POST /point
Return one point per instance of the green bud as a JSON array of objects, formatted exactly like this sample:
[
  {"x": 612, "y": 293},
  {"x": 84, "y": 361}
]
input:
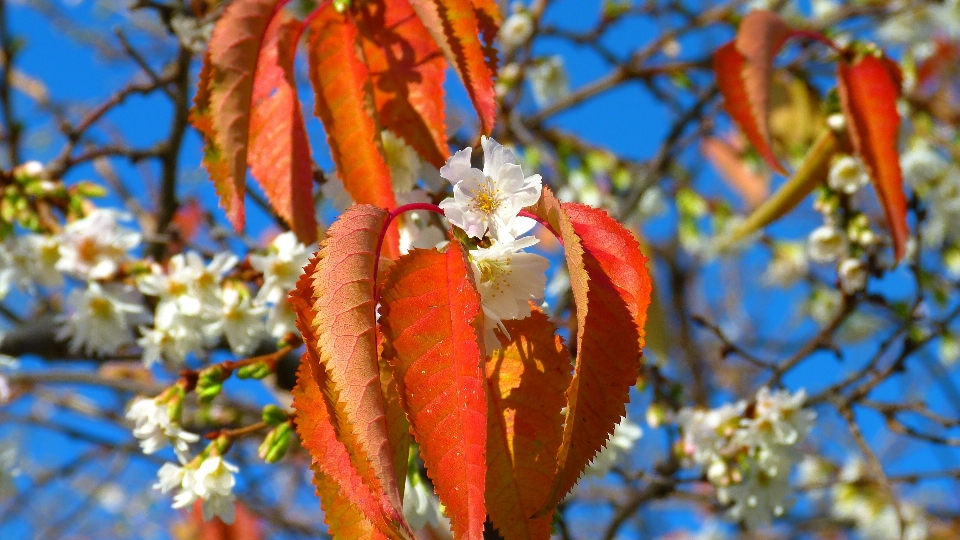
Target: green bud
[
  {"x": 89, "y": 190},
  {"x": 258, "y": 370},
  {"x": 206, "y": 393},
  {"x": 274, "y": 416},
  {"x": 691, "y": 203},
  {"x": 275, "y": 444},
  {"x": 8, "y": 211},
  {"x": 341, "y": 5}
]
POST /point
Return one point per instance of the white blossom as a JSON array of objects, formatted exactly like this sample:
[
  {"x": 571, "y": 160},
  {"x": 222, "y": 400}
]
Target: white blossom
[
  {"x": 240, "y": 322},
  {"x": 549, "y": 81},
  {"x": 922, "y": 166},
  {"x": 101, "y": 318},
  {"x": 847, "y": 175},
  {"x": 853, "y": 275},
  {"x": 756, "y": 498},
  {"x": 155, "y": 429},
  {"x": 334, "y": 191},
  {"x": 624, "y": 436},
  {"x": 402, "y": 160},
  {"x": 281, "y": 319},
  {"x": 748, "y": 452},
  {"x": 421, "y": 507},
  {"x": 213, "y": 482},
  {"x": 29, "y": 260},
  {"x": 826, "y": 244},
  {"x": 281, "y": 266},
  {"x": 170, "y": 476},
  {"x": 788, "y": 265},
  {"x": 95, "y": 246},
  {"x": 507, "y": 280},
  {"x": 415, "y": 227},
  {"x": 516, "y": 30},
  {"x": 490, "y": 199},
  {"x": 172, "y": 341}
]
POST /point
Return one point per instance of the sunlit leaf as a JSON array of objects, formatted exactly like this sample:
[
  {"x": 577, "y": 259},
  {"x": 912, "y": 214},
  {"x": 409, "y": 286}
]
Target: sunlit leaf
[
  {"x": 611, "y": 288},
  {"x": 406, "y": 69},
  {"x": 526, "y": 380},
  {"x": 344, "y": 103},
  {"x": 431, "y": 320},
  {"x": 335, "y": 308},
  {"x": 456, "y": 27}
]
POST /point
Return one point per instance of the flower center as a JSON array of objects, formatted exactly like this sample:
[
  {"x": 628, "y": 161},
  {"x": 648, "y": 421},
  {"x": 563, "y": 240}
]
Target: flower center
[
  {"x": 495, "y": 273},
  {"x": 487, "y": 200},
  {"x": 101, "y": 308}
]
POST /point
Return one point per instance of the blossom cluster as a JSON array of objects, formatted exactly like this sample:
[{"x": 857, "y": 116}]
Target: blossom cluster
[
  {"x": 748, "y": 450},
  {"x": 486, "y": 204}
]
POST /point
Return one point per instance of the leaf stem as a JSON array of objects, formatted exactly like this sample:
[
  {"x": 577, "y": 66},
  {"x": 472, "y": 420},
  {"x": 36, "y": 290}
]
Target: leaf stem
[
  {"x": 545, "y": 223},
  {"x": 383, "y": 234},
  {"x": 817, "y": 36}
]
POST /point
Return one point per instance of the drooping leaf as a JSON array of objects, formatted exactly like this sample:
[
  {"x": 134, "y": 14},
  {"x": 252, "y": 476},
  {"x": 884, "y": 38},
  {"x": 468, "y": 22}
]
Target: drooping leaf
[
  {"x": 406, "y": 69},
  {"x": 234, "y": 47},
  {"x": 335, "y": 308},
  {"x": 813, "y": 172},
  {"x": 525, "y": 382},
  {"x": 201, "y": 117},
  {"x": 732, "y": 167},
  {"x": 344, "y": 103},
  {"x": 279, "y": 152},
  {"x": 346, "y": 500},
  {"x": 247, "y": 110},
  {"x": 612, "y": 288},
  {"x": 430, "y": 316},
  {"x": 744, "y": 68},
  {"x": 455, "y": 26},
  {"x": 869, "y": 89},
  {"x": 398, "y": 428}
]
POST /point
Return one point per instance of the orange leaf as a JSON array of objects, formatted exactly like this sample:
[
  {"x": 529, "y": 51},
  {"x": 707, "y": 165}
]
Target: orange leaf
[
  {"x": 406, "y": 70},
  {"x": 345, "y": 106},
  {"x": 455, "y": 26},
  {"x": 279, "y": 152},
  {"x": 348, "y": 504},
  {"x": 730, "y": 164},
  {"x": 744, "y": 68},
  {"x": 247, "y": 110},
  {"x": 431, "y": 320},
  {"x": 234, "y": 47},
  {"x": 525, "y": 381},
  {"x": 336, "y": 315},
  {"x": 869, "y": 89},
  {"x": 245, "y": 525},
  {"x": 611, "y": 287},
  {"x": 201, "y": 116}
]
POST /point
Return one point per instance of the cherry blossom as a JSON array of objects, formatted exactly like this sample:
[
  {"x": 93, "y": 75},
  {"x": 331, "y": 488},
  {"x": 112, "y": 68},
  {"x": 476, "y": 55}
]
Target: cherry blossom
[{"x": 490, "y": 199}]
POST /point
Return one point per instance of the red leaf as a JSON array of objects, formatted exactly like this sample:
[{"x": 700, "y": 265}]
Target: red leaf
[
  {"x": 279, "y": 152},
  {"x": 334, "y": 301},
  {"x": 455, "y": 25},
  {"x": 869, "y": 89},
  {"x": 407, "y": 70},
  {"x": 431, "y": 320},
  {"x": 744, "y": 68},
  {"x": 733, "y": 168},
  {"x": 525, "y": 381},
  {"x": 611, "y": 287},
  {"x": 345, "y": 106}
]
